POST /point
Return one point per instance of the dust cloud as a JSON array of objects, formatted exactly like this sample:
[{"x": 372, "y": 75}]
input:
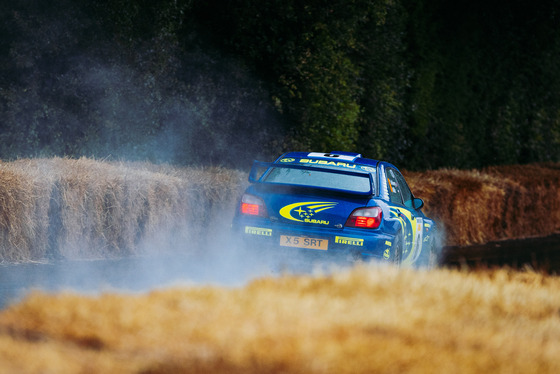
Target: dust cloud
[{"x": 215, "y": 259}]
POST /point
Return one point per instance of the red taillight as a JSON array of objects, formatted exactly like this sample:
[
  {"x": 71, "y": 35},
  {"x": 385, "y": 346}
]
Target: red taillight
[
  {"x": 367, "y": 218},
  {"x": 251, "y": 209},
  {"x": 253, "y": 206}
]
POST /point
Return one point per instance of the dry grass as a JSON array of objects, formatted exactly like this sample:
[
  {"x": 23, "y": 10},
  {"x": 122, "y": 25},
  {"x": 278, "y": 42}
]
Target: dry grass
[
  {"x": 501, "y": 202},
  {"x": 364, "y": 320}
]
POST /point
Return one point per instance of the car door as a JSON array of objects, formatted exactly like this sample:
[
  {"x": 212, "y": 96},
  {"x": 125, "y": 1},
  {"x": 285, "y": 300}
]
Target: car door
[{"x": 403, "y": 207}]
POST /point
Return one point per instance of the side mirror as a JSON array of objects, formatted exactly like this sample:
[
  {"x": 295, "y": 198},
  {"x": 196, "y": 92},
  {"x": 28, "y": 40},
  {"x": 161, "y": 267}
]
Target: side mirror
[{"x": 417, "y": 203}]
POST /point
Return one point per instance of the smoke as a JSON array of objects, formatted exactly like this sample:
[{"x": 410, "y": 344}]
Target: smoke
[
  {"x": 184, "y": 255},
  {"x": 221, "y": 117},
  {"x": 122, "y": 227},
  {"x": 75, "y": 94},
  {"x": 214, "y": 263},
  {"x": 73, "y": 89}
]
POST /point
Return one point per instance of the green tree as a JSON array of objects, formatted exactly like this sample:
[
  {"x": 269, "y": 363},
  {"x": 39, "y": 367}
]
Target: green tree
[
  {"x": 384, "y": 77},
  {"x": 303, "y": 49}
]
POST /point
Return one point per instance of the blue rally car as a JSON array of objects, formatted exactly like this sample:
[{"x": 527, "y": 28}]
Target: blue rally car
[{"x": 337, "y": 204}]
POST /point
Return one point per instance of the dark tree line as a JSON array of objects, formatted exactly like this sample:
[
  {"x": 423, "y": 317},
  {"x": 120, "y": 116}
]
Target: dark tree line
[{"x": 422, "y": 83}]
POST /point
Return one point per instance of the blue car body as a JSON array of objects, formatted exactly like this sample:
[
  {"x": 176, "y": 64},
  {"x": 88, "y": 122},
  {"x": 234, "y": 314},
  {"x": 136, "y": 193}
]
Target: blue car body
[{"x": 334, "y": 204}]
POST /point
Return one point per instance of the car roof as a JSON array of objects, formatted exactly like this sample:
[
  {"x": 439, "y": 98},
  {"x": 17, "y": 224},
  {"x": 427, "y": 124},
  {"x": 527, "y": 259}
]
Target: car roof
[{"x": 335, "y": 158}]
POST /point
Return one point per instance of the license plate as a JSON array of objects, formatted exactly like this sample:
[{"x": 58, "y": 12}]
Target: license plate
[{"x": 303, "y": 242}]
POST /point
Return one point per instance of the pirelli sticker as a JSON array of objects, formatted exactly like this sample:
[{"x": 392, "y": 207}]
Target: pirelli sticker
[
  {"x": 349, "y": 241},
  {"x": 258, "y": 231}
]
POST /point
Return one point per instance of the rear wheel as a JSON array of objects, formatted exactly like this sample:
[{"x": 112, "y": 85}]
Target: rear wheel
[{"x": 397, "y": 249}]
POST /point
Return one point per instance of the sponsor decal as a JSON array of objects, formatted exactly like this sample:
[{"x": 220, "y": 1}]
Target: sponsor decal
[
  {"x": 327, "y": 163},
  {"x": 388, "y": 243},
  {"x": 334, "y": 156},
  {"x": 258, "y": 231},
  {"x": 409, "y": 229},
  {"x": 303, "y": 212},
  {"x": 393, "y": 186},
  {"x": 287, "y": 159},
  {"x": 349, "y": 241},
  {"x": 367, "y": 168},
  {"x": 387, "y": 254}
]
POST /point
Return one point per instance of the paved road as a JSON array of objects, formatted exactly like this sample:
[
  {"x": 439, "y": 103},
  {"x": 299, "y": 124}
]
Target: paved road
[
  {"x": 540, "y": 254},
  {"x": 127, "y": 275},
  {"x": 142, "y": 274}
]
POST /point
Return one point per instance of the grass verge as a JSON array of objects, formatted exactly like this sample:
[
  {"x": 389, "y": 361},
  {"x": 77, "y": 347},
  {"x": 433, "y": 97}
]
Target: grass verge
[{"x": 362, "y": 320}]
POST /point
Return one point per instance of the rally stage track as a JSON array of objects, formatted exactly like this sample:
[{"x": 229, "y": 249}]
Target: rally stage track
[
  {"x": 139, "y": 274},
  {"x": 130, "y": 275},
  {"x": 538, "y": 254}
]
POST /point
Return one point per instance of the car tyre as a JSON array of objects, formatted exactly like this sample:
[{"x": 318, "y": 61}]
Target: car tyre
[{"x": 398, "y": 245}]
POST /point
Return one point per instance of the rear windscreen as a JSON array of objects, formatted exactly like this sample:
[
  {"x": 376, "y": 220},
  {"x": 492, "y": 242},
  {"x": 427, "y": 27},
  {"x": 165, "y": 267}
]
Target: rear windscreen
[{"x": 316, "y": 178}]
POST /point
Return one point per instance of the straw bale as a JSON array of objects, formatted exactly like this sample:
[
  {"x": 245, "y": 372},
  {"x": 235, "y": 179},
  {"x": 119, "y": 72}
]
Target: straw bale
[
  {"x": 502, "y": 202},
  {"x": 85, "y": 208}
]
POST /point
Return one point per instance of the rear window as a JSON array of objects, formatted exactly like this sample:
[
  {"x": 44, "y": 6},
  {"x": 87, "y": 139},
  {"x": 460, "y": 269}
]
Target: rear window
[{"x": 316, "y": 178}]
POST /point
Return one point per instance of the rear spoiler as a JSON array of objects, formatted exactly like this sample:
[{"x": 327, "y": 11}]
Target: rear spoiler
[{"x": 260, "y": 169}]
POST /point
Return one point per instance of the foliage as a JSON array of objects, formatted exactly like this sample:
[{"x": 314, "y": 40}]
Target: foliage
[
  {"x": 105, "y": 79},
  {"x": 421, "y": 83},
  {"x": 483, "y": 84},
  {"x": 304, "y": 51}
]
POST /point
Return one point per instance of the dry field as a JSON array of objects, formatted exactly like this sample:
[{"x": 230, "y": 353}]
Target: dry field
[{"x": 363, "y": 320}]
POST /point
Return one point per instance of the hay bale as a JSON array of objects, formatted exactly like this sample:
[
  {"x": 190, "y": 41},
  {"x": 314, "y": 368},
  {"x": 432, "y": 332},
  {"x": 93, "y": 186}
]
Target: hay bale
[{"x": 496, "y": 203}]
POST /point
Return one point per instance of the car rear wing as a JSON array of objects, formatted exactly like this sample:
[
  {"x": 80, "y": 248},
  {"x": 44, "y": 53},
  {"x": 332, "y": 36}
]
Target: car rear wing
[{"x": 260, "y": 169}]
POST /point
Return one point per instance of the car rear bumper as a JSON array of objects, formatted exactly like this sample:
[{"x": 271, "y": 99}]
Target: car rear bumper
[{"x": 345, "y": 243}]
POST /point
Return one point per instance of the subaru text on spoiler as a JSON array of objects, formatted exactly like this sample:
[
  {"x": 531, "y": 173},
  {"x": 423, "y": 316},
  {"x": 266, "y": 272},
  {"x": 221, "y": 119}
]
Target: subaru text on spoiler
[{"x": 334, "y": 204}]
